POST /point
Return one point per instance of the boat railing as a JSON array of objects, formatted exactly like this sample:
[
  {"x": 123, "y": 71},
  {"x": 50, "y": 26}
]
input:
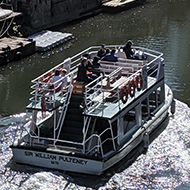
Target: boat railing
[
  {"x": 34, "y": 138},
  {"x": 99, "y": 94},
  {"x": 71, "y": 64},
  {"x": 63, "y": 114},
  {"x": 43, "y": 88},
  {"x": 92, "y": 91},
  {"x": 19, "y": 132},
  {"x": 98, "y": 146}
]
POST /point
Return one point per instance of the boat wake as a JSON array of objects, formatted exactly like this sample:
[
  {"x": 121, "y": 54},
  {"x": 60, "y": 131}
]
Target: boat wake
[
  {"x": 16, "y": 118},
  {"x": 164, "y": 166}
]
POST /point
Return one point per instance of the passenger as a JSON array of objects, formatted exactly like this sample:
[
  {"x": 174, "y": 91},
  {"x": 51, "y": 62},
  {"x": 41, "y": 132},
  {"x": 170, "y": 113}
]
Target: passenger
[
  {"x": 110, "y": 57},
  {"x": 87, "y": 55},
  {"x": 102, "y": 51},
  {"x": 82, "y": 75},
  {"x": 129, "y": 52},
  {"x": 107, "y": 51},
  {"x": 64, "y": 77},
  {"x": 95, "y": 62},
  {"x": 59, "y": 80},
  {"x": 55, "y": 78}
]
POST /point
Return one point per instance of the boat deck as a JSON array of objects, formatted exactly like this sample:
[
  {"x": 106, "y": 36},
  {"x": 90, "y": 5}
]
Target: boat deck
[{"x": 108, "y": 109}]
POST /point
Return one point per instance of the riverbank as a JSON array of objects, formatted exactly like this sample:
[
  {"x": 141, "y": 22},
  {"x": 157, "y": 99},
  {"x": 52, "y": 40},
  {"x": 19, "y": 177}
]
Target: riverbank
[{"x": 40, "y": 15}]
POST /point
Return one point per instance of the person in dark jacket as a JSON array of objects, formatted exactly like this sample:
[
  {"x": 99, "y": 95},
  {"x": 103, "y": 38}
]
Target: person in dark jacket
[
  {"x": 82, "y": 75},
  {"x": 102, "y": 51},
  {"x": 128, "y": 50},
  {"x": 110, "y": 57}
]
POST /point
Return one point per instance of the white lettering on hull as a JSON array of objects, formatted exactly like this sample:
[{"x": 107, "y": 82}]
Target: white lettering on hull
[{"x": 55, "y": 159}]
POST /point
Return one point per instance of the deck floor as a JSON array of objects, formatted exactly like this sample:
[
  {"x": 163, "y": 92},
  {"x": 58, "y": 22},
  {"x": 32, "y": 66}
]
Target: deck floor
[{"x": 109, "y": 109}]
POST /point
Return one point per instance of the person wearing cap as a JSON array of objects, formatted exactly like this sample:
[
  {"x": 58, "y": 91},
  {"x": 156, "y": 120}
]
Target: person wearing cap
[
  {"x": 129, "y": 52},
  {"x": 102, "y": 51}
]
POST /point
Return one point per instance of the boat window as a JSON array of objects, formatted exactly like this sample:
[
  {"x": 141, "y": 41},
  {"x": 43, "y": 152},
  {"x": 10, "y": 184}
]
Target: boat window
[
  {"x": 161, "y": 95},
  {"x": 145, "y": 108},
  {"x": 153, "y": 103},
  {"x": 129, "y": 120}
]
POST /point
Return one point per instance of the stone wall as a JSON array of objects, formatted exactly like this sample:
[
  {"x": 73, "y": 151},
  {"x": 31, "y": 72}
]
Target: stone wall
[{"x": 42, "y": 14}]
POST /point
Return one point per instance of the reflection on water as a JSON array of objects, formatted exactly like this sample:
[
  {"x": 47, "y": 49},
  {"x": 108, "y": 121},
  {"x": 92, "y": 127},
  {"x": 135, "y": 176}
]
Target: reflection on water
[
  {"x": 154, "y": 25},
  {"x": 165, "y": 165}
]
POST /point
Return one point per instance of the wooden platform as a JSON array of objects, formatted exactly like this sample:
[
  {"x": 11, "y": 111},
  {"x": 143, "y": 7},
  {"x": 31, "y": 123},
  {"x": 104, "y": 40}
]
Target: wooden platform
[
  {"x": 114, "y": 6},
  {"x": 15, "y": 48}
]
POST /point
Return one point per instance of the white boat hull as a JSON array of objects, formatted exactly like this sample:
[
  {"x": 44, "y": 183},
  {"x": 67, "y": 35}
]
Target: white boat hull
[
  {"x": 85, "y": 165},
  {"x": 57, "y": 161}
]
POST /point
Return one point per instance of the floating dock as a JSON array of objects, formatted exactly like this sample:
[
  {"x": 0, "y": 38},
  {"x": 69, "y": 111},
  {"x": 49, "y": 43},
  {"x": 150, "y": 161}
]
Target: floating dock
[
  {"x": 115, "y": 6},
  {"x": 15, "y": 48},
  {"x": 46, "y": 39}
]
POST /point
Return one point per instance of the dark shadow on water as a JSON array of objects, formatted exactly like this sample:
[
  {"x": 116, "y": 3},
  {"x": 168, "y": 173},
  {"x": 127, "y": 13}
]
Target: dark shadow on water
[{"x": 91, "y": 180}]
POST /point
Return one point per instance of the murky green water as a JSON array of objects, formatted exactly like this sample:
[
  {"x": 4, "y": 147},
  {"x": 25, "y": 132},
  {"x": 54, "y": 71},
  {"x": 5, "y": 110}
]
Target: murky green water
[{"x": 162, "y": 25}]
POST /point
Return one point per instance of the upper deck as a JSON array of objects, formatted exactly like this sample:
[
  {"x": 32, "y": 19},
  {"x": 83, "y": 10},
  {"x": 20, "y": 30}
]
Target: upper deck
[{"x": 119, "y": 83}]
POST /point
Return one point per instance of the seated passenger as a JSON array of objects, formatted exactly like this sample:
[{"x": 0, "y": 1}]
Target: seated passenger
[
  {"x": 82, "y": 75},
  {"x": 107, "y": 51},
  {"x": 59, "y": 80},
  {"x": 102, "y": 51},
  {"x": 64, "y": 78},
  {"x": 110, "y": 57},
  {"x": 95, "y": 62},
  {"x": 128, "y": 50},
  {"x": 55, "y": 78},
  {"x": 133, "y": 53}
]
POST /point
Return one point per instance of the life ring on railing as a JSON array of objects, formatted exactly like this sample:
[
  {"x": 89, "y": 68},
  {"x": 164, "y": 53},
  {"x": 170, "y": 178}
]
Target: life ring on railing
[
  {"x": 132, "y": 87},
  {"x": 59, "y": 87},
  {"x": 139, "y": 81},
  {"x": 124, "y": 93}
]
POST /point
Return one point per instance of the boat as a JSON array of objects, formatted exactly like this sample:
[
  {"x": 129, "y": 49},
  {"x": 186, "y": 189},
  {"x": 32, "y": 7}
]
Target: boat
[
  {"x": 5, "y": 13},
  {"x": 89, "y": 127}
]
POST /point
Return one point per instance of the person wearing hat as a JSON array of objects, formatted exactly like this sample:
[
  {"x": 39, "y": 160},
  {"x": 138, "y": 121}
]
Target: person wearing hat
[
  {"x": 128, "y": 50},
  {"x": 102, "y": 51}
]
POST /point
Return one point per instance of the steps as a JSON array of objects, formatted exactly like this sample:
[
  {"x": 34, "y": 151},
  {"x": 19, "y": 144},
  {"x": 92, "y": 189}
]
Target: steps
[{"x": 73, "y": 124}]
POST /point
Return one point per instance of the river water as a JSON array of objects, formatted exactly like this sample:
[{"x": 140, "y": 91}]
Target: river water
[{"x": 162, "y": 25}]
